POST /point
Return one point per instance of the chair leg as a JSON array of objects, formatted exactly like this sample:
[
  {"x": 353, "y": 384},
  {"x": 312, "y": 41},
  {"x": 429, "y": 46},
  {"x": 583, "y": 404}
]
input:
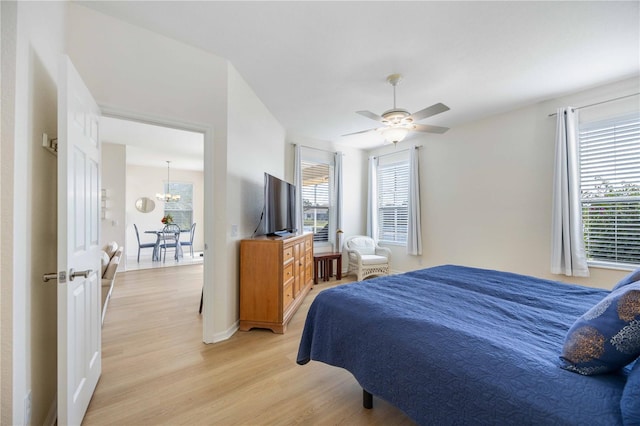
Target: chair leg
[
  {"x": 138, "y": 254},
  {"x": 201, "y": 300}
]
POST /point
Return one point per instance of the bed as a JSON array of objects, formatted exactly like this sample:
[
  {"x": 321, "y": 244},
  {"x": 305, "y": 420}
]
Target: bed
[{"x": 459, "y": 345}]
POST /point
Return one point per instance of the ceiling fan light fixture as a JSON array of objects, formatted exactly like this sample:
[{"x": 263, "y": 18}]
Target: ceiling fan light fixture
[
  {"x": 395, "y": 134},
  {"x": 399, "y": 121}
]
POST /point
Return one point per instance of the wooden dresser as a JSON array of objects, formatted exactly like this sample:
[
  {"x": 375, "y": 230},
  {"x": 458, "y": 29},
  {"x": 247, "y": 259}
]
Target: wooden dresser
[{"x": 276, "y": 273}]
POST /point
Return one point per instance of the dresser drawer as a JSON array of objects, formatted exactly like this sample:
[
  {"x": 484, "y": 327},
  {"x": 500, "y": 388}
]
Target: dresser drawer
[
  {"x": 287, "y": 273},
  {"x": 287, "y": 254},
  {"x": 287, "y": 296}
]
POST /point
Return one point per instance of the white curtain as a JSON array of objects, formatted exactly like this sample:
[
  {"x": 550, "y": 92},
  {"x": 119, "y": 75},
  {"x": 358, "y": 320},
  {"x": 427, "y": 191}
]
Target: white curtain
[
  {"x": 414, "y": 230},
  {"x": 337, "y": 190},
  {"x": 567, "y": 251},
  {"x": 372, "y": 205},
  {"x": 297, "y": 181}
]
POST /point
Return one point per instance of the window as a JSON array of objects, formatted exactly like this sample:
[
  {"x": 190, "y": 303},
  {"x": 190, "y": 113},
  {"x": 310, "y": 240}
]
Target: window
[
  {"x": 610, "y": 190},
  {"x": 393, "y": 200},
  {"x": 181, "y": 210},
  {"x": 316, "y": 199}
]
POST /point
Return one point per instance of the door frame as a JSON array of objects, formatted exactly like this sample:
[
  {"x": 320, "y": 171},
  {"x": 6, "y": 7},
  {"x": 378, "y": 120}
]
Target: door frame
[{"x": 208, "y": 234}]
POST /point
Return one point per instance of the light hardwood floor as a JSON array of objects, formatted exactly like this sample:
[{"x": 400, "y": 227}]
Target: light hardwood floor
[{"x": 156, "y": 370}]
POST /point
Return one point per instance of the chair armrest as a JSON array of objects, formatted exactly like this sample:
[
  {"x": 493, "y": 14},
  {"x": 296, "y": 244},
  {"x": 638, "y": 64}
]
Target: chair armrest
[
  {"x": 383, "y": 251},
  {"x": 355, "y": 254}
]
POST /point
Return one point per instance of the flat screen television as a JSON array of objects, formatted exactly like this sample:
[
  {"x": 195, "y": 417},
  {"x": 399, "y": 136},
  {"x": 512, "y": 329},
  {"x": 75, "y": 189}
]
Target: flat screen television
[{"x": 279, "y": 206}]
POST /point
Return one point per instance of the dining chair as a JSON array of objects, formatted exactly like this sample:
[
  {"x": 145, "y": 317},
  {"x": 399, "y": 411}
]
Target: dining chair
[
  {"x": 142, "y": 245},
  {"x": 190, "y": 242},
  {"x": 170, "y": 239}
]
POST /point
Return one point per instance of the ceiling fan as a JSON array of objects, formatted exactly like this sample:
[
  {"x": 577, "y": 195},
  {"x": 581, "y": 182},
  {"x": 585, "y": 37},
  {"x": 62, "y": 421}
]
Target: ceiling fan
[{"x": 398, "y": 122}]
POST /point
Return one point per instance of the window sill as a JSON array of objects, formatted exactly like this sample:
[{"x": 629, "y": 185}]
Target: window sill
[
  {"x": 392, "y": 243},
  {"x": 610, "y": 265}
]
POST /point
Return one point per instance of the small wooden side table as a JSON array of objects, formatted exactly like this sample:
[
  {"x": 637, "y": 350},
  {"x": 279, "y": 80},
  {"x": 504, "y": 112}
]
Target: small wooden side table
[{"x": 323, "y": 266}]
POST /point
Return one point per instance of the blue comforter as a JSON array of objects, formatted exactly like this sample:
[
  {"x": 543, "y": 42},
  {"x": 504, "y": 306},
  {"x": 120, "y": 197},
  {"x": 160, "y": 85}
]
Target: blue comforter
[{"x": 457, "y": 345}]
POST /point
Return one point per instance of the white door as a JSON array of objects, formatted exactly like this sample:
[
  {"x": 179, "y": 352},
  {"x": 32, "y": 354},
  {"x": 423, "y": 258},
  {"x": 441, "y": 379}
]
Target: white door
[{"x": 79, "y": 296}]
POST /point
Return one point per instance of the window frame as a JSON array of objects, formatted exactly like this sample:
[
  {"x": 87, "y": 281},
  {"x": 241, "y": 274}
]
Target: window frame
[
  {"x": 397, "y": 165},
  {"x": 172, "y": 190},
  {"x": 320, "y": 240},
  {"x": 597, "y": 197}
]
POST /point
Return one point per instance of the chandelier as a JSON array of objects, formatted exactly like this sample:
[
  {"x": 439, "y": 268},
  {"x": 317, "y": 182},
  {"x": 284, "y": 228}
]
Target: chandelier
[{"x": 168, "y": 197}]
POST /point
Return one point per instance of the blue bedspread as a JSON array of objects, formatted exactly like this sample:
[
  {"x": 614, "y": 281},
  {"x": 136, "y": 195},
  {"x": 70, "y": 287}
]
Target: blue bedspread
[{"x": 456, "y": 345}]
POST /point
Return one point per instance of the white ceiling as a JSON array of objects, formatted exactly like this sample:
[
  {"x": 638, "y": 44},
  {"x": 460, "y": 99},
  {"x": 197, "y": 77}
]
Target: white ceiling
[
  {"x": 314, "y": 64},
  {"x": 150, "y": 145}
]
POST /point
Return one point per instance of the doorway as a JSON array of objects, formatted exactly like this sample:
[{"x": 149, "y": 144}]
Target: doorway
[{"x": 142, "y": 163}]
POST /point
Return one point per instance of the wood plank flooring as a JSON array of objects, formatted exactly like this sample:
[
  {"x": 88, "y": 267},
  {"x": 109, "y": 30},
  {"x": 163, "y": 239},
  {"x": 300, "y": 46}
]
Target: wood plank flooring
[{"x": 157, "y": 371}]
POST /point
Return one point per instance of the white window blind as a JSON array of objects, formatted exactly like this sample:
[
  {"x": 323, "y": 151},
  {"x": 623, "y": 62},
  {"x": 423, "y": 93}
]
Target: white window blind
[
  {"x": 610, "y": 190},
  {"x": 393, "y": 199},
  {"x": 316, "y": 199}
]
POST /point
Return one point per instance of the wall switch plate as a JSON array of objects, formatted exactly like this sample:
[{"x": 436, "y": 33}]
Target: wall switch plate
[{"x": 234, "y": 230}]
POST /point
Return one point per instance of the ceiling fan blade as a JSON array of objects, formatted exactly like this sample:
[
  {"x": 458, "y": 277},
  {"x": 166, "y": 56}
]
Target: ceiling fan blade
[
  {"x": 360, "y": 132},
  {"x": 429, "y": 111},
  {"x": 429, "y": 129},
  {"x": 370, "y": 115}
]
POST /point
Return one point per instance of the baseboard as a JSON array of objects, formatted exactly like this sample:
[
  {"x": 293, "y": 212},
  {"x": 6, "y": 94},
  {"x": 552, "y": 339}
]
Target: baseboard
[{"x": 219, "y": 337}]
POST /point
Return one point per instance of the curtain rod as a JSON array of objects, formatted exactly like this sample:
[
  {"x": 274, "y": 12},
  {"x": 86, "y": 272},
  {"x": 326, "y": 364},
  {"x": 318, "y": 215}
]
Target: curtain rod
[
  {"x": 396, "y": 152},
  {"x": 317, "y": 149},
  {"x": 602, "y": 102}
]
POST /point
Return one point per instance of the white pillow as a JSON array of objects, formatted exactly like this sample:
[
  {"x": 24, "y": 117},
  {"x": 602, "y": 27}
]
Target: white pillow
[
  {"x": 104, "y": 260},
  {"x": 111, "y": 248},
  {"x": 363, "y": 245}
]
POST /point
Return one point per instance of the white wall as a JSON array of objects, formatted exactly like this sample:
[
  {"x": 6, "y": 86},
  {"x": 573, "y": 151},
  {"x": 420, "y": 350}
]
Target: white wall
[
  {"x": 143, "y": 181},
  {"x": 114, "y": 178},
  {"x": 138, "y": 74},
  {"x": 486, "y": 189},
  {"x": 32, "y": 43},
  {"x": 134, "y": 72},
  {"x": 255, "y": 145}
]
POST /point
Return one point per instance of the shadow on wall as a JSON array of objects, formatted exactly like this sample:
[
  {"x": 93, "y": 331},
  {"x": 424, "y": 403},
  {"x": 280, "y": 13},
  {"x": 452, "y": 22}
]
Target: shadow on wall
[{"x": 251, "y": 205}]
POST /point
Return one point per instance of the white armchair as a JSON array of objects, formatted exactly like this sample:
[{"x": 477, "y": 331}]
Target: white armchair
[{"x": 366, "y": 257}]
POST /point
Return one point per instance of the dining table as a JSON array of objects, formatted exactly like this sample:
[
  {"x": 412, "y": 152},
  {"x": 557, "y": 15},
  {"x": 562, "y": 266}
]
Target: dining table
[{"x": 159, "y": 238}]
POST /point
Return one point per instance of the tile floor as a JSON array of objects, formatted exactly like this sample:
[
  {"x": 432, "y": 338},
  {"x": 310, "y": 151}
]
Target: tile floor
[{"x": 132, "y": 264}]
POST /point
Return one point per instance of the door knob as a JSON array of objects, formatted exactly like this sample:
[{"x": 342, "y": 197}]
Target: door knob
[
  {"x": 73, "y": 274},
  {"x": 50, "y": 276}
]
